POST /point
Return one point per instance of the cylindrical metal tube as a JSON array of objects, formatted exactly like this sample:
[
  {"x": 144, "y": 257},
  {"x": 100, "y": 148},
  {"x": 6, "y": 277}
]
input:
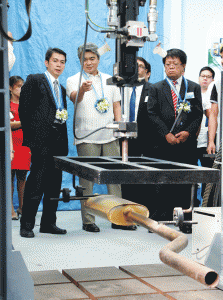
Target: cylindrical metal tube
[
  {"x": 124, "y": 212},
  {"x": 125, "y": 149},
  {"x": 168, "y": 254}
]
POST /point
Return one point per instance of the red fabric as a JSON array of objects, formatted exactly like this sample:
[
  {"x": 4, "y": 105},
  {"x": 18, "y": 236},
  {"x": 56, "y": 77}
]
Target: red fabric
[
  {"x": 174, "y": 96},
  {"x": 22, "y": 155}
]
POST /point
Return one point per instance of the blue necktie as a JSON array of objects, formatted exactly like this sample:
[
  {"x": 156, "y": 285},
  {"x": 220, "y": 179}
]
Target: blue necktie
[{"x": 132, "y": 105}]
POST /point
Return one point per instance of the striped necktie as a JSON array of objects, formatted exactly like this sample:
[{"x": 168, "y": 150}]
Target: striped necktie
[
  {"x": 174, "y": 96},
  {"x": 56, "y": 89}
]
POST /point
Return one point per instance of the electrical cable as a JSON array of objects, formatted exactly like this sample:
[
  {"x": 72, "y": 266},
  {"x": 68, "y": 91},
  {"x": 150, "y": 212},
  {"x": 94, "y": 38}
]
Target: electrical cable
[
  {"x": 108, "y": 29},
  {"x": 28, "y": 33},
  {"x": 199, "y": 251}
]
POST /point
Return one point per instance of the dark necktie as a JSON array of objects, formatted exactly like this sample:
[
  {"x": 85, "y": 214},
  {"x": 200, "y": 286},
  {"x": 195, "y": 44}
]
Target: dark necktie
[
  {"x": 174, "y": 96},
  {"x": 132, "y": 105}
]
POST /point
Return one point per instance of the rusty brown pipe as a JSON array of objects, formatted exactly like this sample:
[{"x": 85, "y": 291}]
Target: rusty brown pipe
[
  {"x": 168, "y": 254},
  {"x": 124, "y": 212}
]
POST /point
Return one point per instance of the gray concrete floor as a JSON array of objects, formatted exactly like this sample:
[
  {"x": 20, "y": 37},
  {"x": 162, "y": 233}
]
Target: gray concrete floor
[{"x": 81, "y": 249}]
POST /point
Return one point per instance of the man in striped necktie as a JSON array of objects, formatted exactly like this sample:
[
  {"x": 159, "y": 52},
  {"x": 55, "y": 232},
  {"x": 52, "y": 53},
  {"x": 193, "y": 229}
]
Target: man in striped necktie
[{"x": 178, "y": 145}]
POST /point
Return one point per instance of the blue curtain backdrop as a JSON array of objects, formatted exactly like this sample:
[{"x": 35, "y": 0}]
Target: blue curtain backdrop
[{"x": 62, "y": 24}]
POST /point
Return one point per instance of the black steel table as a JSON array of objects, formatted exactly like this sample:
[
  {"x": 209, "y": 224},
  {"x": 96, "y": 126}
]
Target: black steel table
[{"x": 138, "y": 170}]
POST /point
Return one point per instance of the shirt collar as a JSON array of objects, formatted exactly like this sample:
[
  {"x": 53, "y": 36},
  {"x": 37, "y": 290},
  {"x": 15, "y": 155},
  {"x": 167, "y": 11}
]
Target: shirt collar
[
  {"x": 91, "y": 75},
  {"x": 51, "y": 77},
  {"x": 179, "y": 80}
]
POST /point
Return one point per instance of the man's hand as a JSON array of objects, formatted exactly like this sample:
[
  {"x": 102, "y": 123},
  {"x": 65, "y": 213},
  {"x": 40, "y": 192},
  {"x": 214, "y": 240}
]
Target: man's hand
[
  {"x": 182, "y": 136},
  {"x": 171, "y": 139},
  {"x": 86, "y": 86},
  {"x": 211, "y": 148}
]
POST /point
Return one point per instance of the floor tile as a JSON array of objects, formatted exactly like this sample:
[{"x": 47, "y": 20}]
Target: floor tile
[
  {"x": 175, "y": 283},
  {"x": 48, "y": 277},
  {"x": 92, "y": 274},
  {"x": 151, "y": 270},
  {"x": 116, "y": 288},
  {"x": 199, "y": 295},
  {"x": 58, "y": 292}
]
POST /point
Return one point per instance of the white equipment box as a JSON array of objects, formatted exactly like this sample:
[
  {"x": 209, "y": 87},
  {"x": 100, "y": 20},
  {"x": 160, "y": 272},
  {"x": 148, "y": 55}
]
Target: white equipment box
[{"x": 205, "y": 232}]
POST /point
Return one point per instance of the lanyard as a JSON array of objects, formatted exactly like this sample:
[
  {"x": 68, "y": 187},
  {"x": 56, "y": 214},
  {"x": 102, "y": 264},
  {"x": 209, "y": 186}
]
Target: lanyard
[
  {"x": 58, "y": 102},
  {"x": 175, "y": 90},
  {"x": 86, "y": 77}
]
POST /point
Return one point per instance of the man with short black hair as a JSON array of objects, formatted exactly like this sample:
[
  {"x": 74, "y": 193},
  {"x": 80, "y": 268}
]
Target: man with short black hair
[
  {"x": 207, "y": 133},
  {"x": 206, "y": 138},
  {"x": 43, "y": 115},
  {"x": 176, "y": 144}
]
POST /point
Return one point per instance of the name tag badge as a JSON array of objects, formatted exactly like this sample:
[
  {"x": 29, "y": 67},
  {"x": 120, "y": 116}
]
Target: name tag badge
[
  {"x": 190, "y": 95},
  {"x": 146, "y": 99}
]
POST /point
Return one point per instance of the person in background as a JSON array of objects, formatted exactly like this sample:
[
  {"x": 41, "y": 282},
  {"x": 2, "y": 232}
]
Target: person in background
[
  {"x": 138, "y": 146},
  {"x": 138, "y": 107},
  {"x": 22, "y": 155},
  {"x": 206, "y": 137},
  {"x": 43, "y": 115}
]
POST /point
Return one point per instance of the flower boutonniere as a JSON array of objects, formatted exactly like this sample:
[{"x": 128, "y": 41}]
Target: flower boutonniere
[
  {"x": 102, "y": 105},
  {"x": 184, "y": 106},
  {"x": 62, "y": 115}
]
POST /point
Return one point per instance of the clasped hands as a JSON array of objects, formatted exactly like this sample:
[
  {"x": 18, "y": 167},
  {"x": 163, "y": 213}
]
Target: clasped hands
[{"x": 178, "y": 138}]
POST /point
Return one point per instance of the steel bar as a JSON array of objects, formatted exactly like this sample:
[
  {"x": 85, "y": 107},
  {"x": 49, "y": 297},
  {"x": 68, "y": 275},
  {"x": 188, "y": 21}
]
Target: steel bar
[
  {"x": 189, "y": 210},
  {"x": 124, "y": 212}
]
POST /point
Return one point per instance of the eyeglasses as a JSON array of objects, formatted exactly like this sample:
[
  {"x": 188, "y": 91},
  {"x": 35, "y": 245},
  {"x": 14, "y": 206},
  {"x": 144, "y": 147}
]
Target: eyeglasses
[
  {"x": 206, "y": 76},
  {"x": 142, "y": 67},
  {"x": 174, "y": 65}
]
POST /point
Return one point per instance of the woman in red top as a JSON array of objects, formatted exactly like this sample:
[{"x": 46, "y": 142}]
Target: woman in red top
[{"x": 22, "y": 155}]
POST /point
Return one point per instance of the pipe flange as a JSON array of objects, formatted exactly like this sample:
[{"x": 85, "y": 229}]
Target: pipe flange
[{"x": 178, "y": 216}]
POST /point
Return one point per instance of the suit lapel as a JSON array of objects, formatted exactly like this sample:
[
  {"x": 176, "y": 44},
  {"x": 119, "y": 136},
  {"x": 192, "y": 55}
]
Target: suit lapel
[
  {"x": 144, "y": 92},
  {"x": 48, "y": 88},
  {"x": 167, "y": 93},
  {"x": 64, "y": 96},
  {"x": 182, "y": 90}
]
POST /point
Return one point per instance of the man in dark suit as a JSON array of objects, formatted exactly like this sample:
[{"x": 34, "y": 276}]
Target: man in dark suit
[
  {"x": 137, "y": 146},
  {"x": 43, "y": 114},
  {"x": 176, "y": 144}
]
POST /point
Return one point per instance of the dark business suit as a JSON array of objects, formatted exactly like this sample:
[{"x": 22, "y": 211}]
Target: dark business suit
[
  {"x": 138, "y": 147},
  {"x": 161, "y": 118},
  {"x": 37, "y": 110}
]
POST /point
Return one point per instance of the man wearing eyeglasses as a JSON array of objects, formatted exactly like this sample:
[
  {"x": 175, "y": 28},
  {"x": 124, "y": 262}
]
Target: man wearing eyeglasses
[
  {"x": 139, "y": 114},
  {"x": 176, "y": 143},
  {"x": 206, "y": 137}
]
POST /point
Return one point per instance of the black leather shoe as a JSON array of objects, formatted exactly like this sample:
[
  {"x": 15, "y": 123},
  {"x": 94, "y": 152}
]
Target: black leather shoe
[
  {"x": 53, "y": 229},
  {"x": 27, "y": 233},
  {"x": 91, "y": 227},
  {"x": 131, "y": 227}
]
